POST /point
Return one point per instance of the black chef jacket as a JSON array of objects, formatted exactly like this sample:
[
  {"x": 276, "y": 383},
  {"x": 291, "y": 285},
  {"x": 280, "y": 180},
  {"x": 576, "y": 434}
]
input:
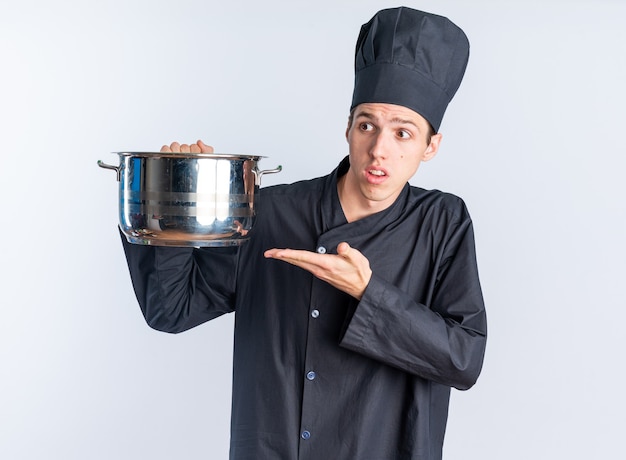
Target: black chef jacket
[{"x": 319, "y": 375}]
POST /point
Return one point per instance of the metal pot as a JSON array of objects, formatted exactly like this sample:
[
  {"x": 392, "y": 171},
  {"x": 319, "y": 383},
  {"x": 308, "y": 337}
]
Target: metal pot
[{"x": 187, "y": 199}]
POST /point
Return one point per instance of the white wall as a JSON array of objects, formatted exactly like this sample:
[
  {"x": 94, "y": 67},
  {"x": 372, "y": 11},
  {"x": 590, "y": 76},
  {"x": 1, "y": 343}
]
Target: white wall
[{"x": 534, "y": 142}]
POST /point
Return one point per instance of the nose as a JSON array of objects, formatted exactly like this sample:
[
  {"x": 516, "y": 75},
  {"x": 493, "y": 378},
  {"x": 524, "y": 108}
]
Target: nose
[{"x": 380, "y": 145}]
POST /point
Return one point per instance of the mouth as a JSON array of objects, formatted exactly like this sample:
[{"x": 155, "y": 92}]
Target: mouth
[{"x": 376, "y": 175}]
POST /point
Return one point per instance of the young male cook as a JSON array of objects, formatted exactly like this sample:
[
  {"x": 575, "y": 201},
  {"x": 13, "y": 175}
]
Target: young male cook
[{"x": 357, "y": 299}]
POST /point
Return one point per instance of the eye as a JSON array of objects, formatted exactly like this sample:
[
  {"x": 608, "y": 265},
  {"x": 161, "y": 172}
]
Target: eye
[
  {"x": 365, "y": 126},
  {"x": 404, "y": 134}
]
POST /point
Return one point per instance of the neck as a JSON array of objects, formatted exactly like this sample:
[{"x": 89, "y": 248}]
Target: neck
[{"x": 353, "y": 208}]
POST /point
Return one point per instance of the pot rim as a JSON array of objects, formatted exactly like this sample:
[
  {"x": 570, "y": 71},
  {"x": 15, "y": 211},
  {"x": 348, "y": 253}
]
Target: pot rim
[{"x": 190, "y": 156}]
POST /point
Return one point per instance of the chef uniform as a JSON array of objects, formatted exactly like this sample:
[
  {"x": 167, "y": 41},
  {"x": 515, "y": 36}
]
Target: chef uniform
[{"x": 318, "y": 374}]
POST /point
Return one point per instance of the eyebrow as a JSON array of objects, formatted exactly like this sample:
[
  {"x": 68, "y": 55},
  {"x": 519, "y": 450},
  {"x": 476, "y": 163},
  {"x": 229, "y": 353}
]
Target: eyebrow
[{"x": 397, "y": 120}]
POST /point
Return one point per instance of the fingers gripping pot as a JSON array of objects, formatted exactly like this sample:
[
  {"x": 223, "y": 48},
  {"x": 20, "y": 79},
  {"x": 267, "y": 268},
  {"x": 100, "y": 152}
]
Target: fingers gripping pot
[{"x": 187, "y": 199}]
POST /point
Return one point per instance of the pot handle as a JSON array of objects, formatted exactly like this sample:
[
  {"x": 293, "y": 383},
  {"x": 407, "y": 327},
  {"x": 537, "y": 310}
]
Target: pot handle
[
  {"x": 259, "y": 174},
  {"x": 117, "y": 169}
]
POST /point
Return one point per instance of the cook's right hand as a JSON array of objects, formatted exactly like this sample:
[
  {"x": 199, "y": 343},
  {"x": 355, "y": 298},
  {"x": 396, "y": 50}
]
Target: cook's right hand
[{"x": 198, "y": 147}]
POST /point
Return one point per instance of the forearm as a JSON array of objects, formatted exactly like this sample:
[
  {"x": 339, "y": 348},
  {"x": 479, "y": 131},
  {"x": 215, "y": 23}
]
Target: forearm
[
  {"x": 177, "y": 292},
  {"x": 392, "y": 328}
]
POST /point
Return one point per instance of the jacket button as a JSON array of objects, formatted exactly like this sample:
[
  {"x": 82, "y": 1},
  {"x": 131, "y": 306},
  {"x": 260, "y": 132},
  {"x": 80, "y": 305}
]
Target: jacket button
[
  {"x": 305, "y": 434},
  {"x": 315, "y": 313},
  {"x": 321, "y": 250},
  {"x": 310, "y": 375}
]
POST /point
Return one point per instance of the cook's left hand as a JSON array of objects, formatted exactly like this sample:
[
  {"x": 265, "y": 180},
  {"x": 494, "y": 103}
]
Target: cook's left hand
[{"x": 348, "y": 270}]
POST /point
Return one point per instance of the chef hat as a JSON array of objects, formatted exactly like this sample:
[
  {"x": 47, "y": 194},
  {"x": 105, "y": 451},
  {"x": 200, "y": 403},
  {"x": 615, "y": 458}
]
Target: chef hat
[{"x": 410, "y": 58}]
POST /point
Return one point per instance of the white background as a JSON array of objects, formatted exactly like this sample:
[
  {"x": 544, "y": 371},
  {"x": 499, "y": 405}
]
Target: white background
[{"x": 534, "y": 142}]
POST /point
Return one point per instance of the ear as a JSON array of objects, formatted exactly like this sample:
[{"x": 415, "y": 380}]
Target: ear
[
  {"x": 433, "y": 147},
  {"x": 348, "y": 130}
]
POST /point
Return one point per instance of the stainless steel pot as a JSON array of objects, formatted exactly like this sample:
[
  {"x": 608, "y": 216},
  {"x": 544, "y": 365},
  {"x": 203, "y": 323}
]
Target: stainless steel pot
[{"x": 187, "y": 199}]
